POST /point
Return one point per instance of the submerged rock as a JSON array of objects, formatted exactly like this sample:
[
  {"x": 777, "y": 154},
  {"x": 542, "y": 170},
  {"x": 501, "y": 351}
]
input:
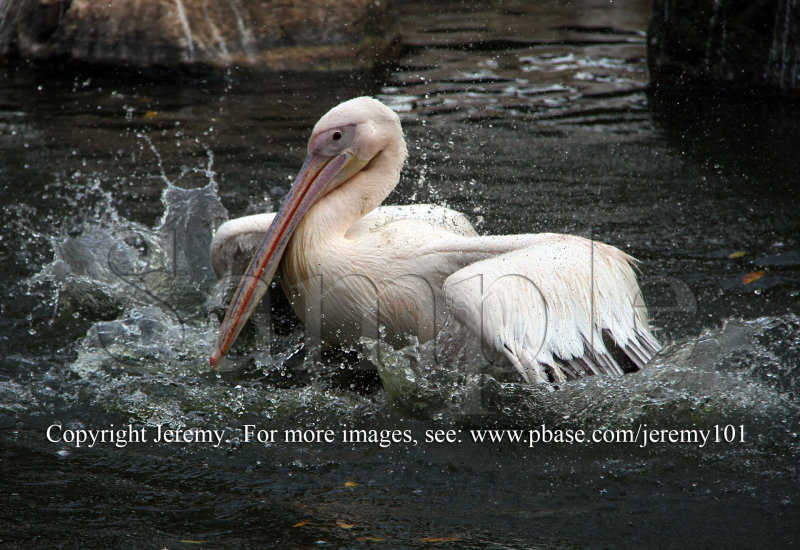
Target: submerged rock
[
  {"x": 272, "y": 34},
  {"x": 746, "y": 44}
]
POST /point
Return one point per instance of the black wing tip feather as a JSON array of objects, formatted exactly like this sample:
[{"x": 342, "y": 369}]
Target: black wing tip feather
[{"x": 617, "y": 360}]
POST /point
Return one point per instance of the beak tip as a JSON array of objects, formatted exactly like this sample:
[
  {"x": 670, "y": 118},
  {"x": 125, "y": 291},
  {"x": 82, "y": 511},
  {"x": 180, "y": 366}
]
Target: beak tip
[{"x": 214, "y": 359}]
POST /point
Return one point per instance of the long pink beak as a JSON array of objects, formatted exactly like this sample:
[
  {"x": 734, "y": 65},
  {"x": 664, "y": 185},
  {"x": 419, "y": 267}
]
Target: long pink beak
[{"x": 312, "y": 181}]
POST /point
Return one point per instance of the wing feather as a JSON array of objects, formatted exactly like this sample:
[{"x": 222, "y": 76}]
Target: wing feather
[
  {"x": 235, "y": 242},
  {"x": 559, "y": 307}
]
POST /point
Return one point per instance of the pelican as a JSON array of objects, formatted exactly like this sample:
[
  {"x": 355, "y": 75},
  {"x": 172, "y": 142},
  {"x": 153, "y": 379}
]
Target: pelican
[{"x": 558, "y": 307}]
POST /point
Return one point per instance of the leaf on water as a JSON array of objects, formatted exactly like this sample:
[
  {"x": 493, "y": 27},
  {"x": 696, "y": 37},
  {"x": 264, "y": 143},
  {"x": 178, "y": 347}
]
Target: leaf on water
[
  {"x": 344, "y": 525},
  {"x": 369, "y": 539},
  {"x": 300, "y": 524},
  {"x": 150, "y": 114},
  {"x": 187, "y": 541},
  {"x": 440, "y": 539},
  {"x": 350, "y": 484},
  {"x": 748, "y": 278},
  {"x": 737, "y": 254}
]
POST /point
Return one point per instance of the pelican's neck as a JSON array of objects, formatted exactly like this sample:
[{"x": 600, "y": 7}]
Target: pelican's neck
[{"x": 334, "y": 213}]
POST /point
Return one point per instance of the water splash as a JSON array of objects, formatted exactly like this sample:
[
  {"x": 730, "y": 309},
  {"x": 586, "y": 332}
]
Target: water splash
[
  {"x": 718, "y": 18},
  {"x": 7, "y": 22},
  {"x": 747, "y": 371},
  {"x": 779, "y": 63},
  {"x": 114, "y": 265},
  {"x": 216, "y": 34},
  {"x": 148, "y": 295},
  {"x": 187, "y": 31},
  {"x": 149, "y": 301},
  {"x": 245, "y": 32}
]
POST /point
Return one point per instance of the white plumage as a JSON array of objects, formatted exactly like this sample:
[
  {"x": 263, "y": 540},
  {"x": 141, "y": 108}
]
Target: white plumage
[{"x": 557, "y": 306}]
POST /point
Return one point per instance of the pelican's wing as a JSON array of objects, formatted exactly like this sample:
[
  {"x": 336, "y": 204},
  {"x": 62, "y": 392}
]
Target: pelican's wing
[
  {"x": 437, "y": 217},
  {"x": 557, "y": 306},
  {"x": 235, "y": 242}
]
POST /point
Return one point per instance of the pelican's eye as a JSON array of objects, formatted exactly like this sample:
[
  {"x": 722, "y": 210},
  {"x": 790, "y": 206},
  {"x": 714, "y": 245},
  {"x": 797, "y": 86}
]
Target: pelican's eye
[{"x": 333, "y": 141}]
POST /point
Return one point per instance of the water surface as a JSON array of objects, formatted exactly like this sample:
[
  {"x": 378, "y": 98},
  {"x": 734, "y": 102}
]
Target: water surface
[{"x": 527, "y": 118}]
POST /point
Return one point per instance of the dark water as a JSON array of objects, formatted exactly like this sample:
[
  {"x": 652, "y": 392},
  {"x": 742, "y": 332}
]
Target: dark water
[{"x": 527, "y": 118}]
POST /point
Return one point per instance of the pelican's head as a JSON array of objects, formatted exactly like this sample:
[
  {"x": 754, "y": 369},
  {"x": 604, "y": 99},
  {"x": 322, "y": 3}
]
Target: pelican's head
[
  {"x": 363, "y": 126},
  {"x": 348, "y": 137},
  {"x": 343, "y": 142}
]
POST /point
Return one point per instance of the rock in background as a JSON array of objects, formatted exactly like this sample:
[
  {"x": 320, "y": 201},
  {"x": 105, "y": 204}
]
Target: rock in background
[
  {"x": 272, "y": 34},
  {"x": 751, "y": 45}
]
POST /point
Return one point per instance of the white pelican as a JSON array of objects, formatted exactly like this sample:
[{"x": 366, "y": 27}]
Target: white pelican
[{"x": 557, "y": 306}]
